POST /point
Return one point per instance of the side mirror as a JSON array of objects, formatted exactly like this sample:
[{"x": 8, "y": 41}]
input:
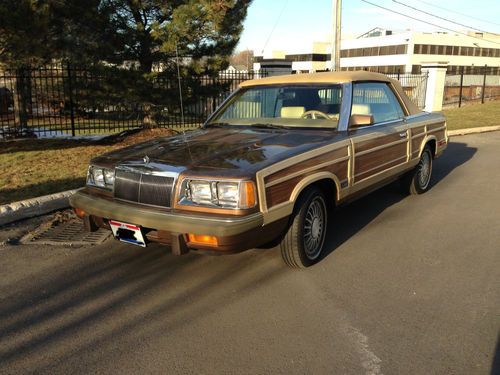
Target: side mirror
[{"x": 360, "y": 120}]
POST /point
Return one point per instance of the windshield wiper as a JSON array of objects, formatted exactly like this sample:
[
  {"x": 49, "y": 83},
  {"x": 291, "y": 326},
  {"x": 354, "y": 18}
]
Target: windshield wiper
[{"x": 216, "y": 124}]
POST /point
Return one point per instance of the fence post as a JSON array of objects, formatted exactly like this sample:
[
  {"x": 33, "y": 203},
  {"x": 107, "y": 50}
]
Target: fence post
[
  {"x": 484, "y": 84},
  {"x": 71, "y": 110},
  {"x": 21, "y": 97},
  {"x": 435, "y": 85},
  {"x": 214, "y": 96},
  {"x": 461, "y": 87},
  {"x": 399, "y": 73}
]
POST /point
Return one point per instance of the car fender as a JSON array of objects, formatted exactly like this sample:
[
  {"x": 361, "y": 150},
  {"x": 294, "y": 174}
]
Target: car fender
[
  {"x": 425, "y": 141},
  {"x": 308, "y": 180}
]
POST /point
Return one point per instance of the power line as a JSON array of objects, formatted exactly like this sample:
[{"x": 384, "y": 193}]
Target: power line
[
  {"x": 275, "y": 24},
  {"x": 429, "y": 23},
  {"x": 441, "y": 18},
  {"x": 454, "y": 11}
]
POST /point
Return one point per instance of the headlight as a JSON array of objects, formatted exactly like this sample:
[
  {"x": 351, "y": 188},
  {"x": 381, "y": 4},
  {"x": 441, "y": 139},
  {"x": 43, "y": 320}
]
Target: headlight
[
  {"x": 101, "y": 177},
  {"x": 222, "y": 194}
]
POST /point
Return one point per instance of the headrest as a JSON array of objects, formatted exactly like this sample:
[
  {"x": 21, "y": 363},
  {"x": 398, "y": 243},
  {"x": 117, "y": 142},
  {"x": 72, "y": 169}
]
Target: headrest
[
  {"x": 292, "y": 112},
  {"x": 360, "y": 109}
]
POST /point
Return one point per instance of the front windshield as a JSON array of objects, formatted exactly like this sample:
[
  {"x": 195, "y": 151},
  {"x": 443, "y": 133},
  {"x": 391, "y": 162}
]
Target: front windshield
[{"x": 311, "y": 105}]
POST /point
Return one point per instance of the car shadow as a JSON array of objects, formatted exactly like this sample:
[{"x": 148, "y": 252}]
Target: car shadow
[
  {"x": 130, "y": 293},
  {"x": 495, "y": 365},
  {"x": 350, "y": 219}
]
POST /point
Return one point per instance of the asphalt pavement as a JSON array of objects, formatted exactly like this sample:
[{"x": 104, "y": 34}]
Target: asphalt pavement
[{"x": 410, "y": 285}]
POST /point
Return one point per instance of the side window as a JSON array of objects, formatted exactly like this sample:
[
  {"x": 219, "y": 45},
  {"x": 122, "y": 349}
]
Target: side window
[{"x": 376, "y": 99}]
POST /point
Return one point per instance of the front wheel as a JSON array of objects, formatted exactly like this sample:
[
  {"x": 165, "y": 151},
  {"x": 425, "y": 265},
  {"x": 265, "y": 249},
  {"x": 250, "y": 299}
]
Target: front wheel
[
  {"x": 303, "y": 243},
  {"x": 418, "y": 180}
]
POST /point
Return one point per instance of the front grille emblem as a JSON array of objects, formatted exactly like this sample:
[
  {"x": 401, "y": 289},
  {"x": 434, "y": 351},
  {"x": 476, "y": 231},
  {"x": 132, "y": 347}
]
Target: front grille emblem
[{"x": 145, "y": 159}]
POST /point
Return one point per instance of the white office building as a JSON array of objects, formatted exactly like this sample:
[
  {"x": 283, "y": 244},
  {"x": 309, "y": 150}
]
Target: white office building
[{"x": 392, "y": 52}]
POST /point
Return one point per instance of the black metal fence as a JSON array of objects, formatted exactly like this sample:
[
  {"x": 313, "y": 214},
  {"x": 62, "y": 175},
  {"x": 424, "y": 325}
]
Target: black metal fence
[
  {"x": 480, "y": 86},
  {"x": 69, "y": 100},
  {"x": 66, "y": 100}
]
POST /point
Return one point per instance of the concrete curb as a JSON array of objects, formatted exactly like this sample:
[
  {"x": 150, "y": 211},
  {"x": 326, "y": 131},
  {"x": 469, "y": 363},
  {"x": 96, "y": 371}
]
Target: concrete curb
[
  {"x": 34, "y": 207},
  {"x": 473, "y": 130}
]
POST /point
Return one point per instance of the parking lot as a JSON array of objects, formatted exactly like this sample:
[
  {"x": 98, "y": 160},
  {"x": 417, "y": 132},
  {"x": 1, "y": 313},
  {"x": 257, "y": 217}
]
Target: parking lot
[{"x": 411, "y": 285}]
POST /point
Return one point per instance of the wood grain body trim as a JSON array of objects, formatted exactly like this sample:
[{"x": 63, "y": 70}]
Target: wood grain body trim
[
  {"x": 381, "y": 167},
  {"x": 282, "y": 191},
  {"x": 381, "y": 147},
  {"x": 372, "y": 143},
  {"x": 436, "y": 129},
  {"x": 305, "y": 171}
]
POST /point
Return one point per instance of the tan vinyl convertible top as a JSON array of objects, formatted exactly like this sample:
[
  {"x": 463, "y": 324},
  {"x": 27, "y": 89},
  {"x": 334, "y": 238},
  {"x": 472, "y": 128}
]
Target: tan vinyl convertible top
[
  {"x": 334, "y": 77},
  {"x": 324, "y": 77}
]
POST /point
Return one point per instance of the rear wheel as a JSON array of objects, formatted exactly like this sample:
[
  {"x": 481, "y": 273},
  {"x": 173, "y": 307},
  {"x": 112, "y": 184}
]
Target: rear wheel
[
  {"x": 303, "y": 243},
  {"x": 418, "y": 180}
]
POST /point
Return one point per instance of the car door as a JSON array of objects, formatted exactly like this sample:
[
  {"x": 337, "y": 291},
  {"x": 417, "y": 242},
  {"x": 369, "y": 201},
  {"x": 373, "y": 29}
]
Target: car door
[{"x": 378, "y": 149}]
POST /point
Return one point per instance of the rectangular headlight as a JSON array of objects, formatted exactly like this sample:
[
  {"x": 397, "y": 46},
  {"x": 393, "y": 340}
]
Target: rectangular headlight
[
  {"x": 100, "y": 177},
  {"x": 228, "y": 194},
  {"x": 221, "y": 194},
  {"x": 200, "y": 192}
]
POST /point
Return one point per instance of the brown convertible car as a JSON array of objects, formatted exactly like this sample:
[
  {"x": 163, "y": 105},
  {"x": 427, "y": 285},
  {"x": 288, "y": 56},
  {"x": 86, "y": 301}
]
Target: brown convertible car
[{"x": 267, "y": 167}]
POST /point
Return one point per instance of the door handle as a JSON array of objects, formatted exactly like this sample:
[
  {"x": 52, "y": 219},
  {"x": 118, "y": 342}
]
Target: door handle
[{"x": 402, "y": 135}]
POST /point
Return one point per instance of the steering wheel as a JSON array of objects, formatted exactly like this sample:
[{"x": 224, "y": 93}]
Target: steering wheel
[{"x": 313, "y": 113}]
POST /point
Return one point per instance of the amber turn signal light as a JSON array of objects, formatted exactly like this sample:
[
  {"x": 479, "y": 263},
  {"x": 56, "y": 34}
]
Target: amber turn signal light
[
  {"x": 202, "y": 239},
  {"x": 79, "y": 212},
  {"x": 247, "y": 195}
]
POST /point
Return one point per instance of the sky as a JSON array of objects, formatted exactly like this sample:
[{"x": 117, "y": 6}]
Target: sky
[{"x": 292, "y": 25}]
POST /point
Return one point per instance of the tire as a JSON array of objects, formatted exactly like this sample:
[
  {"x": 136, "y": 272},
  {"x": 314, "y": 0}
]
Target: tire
[
  {"x": 418, "y": 180},
  {"x": 304, "y": 240}
]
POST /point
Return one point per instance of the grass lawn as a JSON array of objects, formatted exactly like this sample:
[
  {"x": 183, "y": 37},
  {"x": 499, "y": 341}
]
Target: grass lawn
[
  {"x": 473, "y": 116},
  {"x": 31, "y": 168}
]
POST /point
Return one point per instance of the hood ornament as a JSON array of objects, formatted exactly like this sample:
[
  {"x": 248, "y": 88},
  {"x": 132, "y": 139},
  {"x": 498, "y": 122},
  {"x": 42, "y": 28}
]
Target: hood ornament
[{"x": 145, "y": 159}]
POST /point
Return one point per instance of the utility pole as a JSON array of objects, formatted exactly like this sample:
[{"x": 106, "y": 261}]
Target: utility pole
[{"x": 336, "y": 15}]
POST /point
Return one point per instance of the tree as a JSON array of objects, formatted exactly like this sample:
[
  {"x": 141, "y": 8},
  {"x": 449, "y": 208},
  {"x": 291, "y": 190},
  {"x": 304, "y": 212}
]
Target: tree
[
  {"x": 117, "y": 31},
  {"x": 135, "y": 35},
  {"x": 244, "y": 58}
]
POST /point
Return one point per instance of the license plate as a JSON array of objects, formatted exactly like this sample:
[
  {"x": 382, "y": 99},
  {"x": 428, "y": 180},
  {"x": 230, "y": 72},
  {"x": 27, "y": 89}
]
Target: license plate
[{"x": 128, "y": 233}]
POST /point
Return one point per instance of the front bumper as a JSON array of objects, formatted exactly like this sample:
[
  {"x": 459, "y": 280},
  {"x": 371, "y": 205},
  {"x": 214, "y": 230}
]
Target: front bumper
[{"x": 165, "y": 221}]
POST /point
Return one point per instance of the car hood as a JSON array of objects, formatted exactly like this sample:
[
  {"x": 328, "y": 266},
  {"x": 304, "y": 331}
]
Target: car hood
[{"x": 229, "y": 151}]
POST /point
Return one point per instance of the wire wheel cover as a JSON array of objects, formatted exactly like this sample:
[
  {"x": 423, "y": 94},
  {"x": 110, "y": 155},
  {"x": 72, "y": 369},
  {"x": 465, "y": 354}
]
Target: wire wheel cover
[
  {"x": 424, "y": 170},
  {"x": 314, "y": 228}
]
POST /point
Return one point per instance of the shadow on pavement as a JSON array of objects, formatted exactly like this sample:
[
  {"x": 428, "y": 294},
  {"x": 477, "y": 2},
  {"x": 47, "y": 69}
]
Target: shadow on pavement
[
  {"x": 454, "y": 156},
  {"x": 495, "y": 366},
  {"x": 81, "y": 305},
  {"x": 350, "y": 219}
]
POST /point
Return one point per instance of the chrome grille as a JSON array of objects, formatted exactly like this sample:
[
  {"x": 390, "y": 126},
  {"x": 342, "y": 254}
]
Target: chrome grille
[{"x": 143, "y": 188}]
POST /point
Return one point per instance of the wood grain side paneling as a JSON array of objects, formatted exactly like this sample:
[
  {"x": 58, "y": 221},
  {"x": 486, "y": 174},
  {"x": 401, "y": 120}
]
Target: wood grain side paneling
[
  {"x": 434, "y": 126},
  {"x": 416, "y": 142},
  {"x": 368, "y": 164},
  {"x": 372, "y": 143},
  {"x": 418, "y": 131},
  {"x": 440, "y": 135},
  {"x": 282, "y": 192},
  {"x": 317, "y": 160}
]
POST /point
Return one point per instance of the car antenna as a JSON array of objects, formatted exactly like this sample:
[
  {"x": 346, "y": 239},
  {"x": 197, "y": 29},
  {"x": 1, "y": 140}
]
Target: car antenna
[{"x": 180, "y": 98}]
